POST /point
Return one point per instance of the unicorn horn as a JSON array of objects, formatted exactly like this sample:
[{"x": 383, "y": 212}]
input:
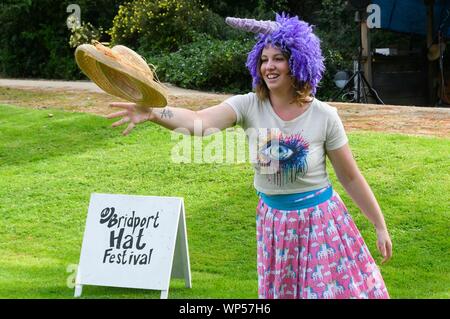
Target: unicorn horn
[{"x": 253, "y": 25}]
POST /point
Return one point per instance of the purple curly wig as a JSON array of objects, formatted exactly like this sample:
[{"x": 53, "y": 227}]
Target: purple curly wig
[{"x": 295, "y": 37}]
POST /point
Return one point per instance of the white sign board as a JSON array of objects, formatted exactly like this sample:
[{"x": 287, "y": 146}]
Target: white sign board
[{"x": 134, "y": 242}]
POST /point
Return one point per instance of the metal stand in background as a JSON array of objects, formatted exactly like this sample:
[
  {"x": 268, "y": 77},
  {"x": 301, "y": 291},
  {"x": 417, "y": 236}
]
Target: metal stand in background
[
  {"x": 362, "y": 85},
  {"x": 443, "y": 99}
]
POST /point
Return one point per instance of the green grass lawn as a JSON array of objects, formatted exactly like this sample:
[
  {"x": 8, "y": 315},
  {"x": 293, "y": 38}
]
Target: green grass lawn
[{"x": 50, "y": 165}]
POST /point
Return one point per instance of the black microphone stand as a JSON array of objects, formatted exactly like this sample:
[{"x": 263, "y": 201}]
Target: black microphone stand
[{"x": 361, "y": 81}]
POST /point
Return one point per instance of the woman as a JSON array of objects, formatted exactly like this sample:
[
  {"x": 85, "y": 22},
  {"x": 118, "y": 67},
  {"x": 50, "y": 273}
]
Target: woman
[{"x": 308, "y": 245}]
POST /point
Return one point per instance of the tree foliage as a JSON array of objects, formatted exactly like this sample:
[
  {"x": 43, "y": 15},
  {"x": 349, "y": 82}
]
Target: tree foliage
[
  {"x": 163, "y": 25},
  {"x": 34, "y": 37},
  {"x": 208, "y": 64}
]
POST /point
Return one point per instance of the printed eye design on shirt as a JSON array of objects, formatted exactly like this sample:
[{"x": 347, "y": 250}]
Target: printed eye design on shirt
[
  {"x": 278, "y": 153},
  {"x": 283, "y": 158}
]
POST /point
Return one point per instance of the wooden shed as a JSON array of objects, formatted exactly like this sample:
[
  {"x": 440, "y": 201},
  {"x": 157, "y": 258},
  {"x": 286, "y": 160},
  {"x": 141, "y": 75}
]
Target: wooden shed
[{"x": 409, "y": 76}]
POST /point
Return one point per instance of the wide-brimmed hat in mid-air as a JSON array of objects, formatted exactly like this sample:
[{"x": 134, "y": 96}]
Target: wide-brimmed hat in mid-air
[{"x": 121, "y": 72}]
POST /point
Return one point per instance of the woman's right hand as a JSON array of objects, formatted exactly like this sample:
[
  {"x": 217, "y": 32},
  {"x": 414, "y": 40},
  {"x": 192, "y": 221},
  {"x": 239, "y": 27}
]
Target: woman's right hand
[{"x": 131, "y": 113}]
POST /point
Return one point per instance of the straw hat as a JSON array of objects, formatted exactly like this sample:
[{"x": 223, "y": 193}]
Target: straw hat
[
  {"x": 121, "y": 72},
  {"x": 435, "y": 51}
]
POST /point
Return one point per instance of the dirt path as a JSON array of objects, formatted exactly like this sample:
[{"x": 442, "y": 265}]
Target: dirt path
[{"x": 83, "y": 96}]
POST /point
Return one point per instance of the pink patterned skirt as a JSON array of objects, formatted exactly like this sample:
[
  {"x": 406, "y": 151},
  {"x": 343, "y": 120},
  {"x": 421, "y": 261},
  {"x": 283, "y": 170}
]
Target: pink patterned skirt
[{"x": 314, "y": 253}]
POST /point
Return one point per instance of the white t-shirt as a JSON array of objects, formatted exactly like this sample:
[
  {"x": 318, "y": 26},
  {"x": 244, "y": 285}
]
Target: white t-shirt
[{"x": 289, "y": 156}]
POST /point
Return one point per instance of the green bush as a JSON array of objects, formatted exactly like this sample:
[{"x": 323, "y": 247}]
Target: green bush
[
  {"x": 84, "y": 33},
  {"x": 207, "y": 64},
  {"x": 159, "y": 25}
]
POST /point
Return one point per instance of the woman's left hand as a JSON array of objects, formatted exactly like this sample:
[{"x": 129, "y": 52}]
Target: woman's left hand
[{"x": 384, "y": 244}]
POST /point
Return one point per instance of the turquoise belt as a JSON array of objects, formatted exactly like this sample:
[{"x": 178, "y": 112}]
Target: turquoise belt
[{"x": 298, "y": 200}]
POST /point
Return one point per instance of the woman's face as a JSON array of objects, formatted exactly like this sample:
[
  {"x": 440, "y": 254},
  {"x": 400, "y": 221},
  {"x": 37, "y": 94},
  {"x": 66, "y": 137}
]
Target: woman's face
[{"x": 275, "y": 69}]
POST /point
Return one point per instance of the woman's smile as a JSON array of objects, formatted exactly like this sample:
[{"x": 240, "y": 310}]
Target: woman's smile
[{"x": 272, "y": 76}]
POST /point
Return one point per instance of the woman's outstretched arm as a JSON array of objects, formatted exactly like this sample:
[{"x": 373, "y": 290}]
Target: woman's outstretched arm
[{"x": 198, "y": 123}]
